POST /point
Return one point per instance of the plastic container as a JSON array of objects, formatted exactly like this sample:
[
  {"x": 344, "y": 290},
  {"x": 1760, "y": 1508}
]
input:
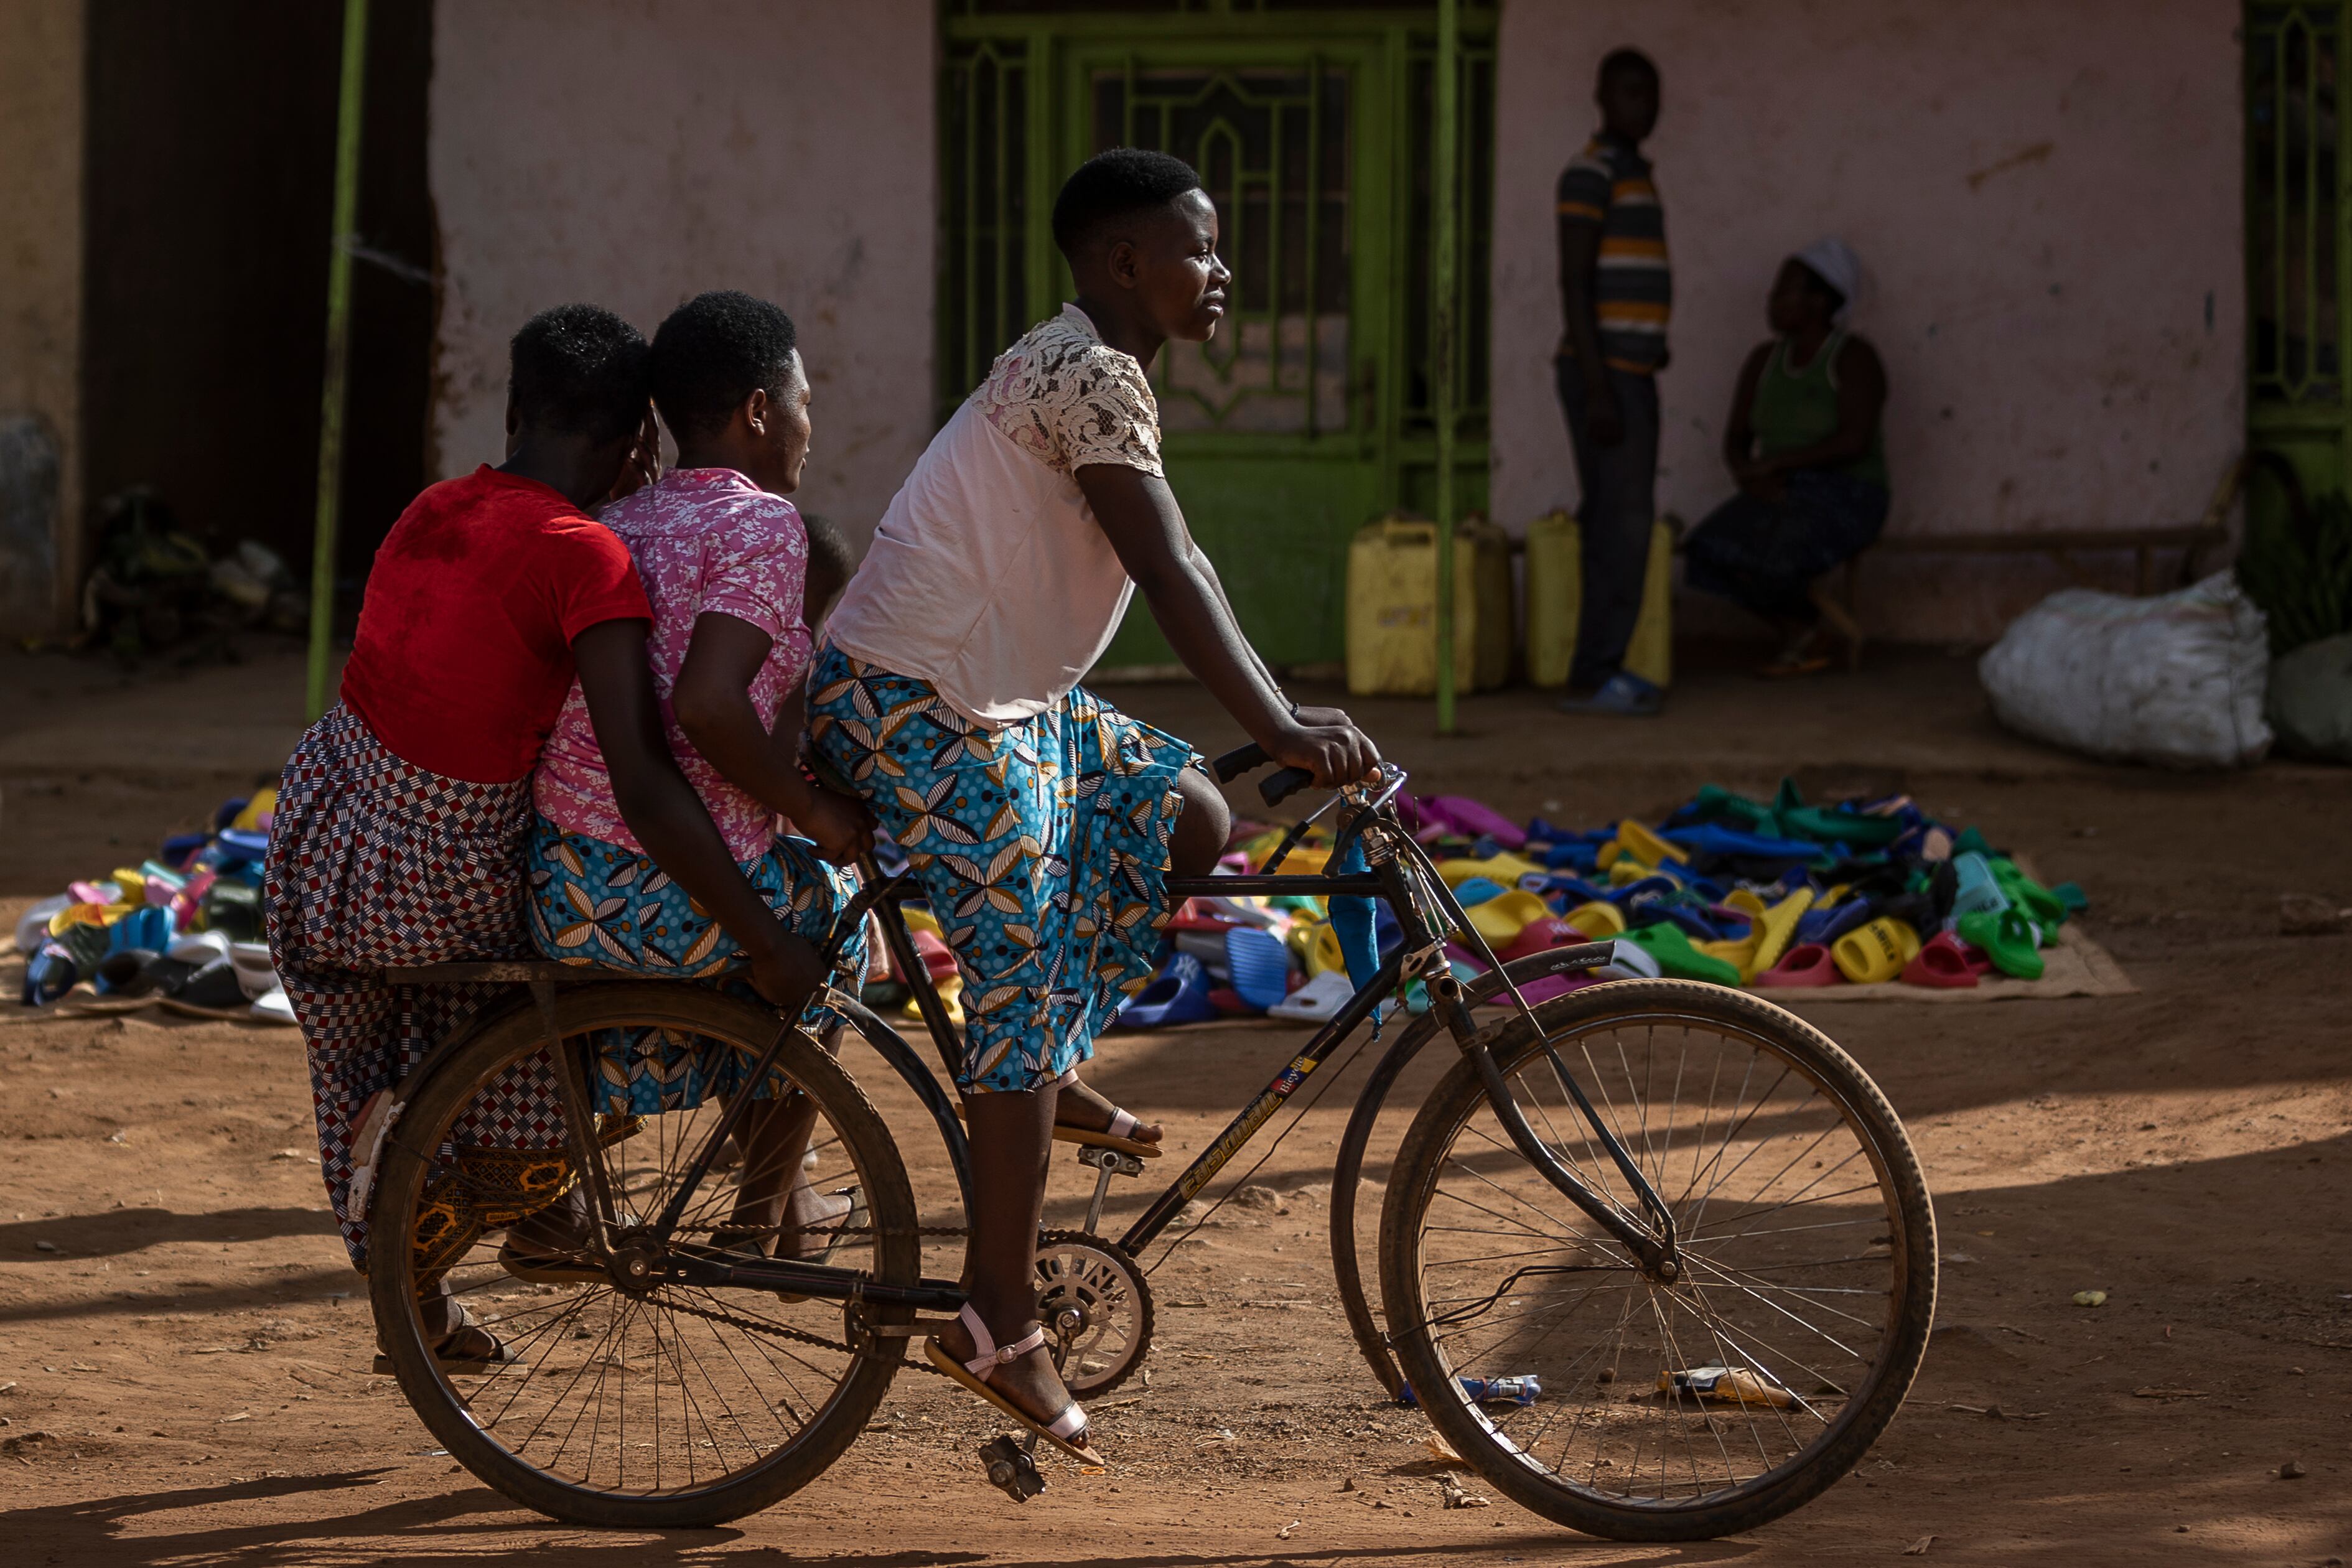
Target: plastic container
[
  {"x": 1392, "y": 607},
  {"x": 1555, "y": 586}
]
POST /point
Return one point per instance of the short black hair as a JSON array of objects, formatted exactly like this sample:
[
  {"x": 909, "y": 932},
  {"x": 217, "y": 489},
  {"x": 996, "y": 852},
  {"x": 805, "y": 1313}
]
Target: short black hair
[
  {"x": 578, "y": 369},
  {"x": 830, "y": 567},
  {"x": 1626, "y": 60},
  {"x": 1110, "y": 185},
  {"x": 715, "y": 351}
]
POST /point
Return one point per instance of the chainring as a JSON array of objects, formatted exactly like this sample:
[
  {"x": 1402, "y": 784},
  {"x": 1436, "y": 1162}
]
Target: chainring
[{"x": 1095, "y": 1280}]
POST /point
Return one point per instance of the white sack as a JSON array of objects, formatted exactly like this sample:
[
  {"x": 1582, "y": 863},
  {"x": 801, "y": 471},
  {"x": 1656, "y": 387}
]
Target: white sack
[{"x": 2177, "y": 681}]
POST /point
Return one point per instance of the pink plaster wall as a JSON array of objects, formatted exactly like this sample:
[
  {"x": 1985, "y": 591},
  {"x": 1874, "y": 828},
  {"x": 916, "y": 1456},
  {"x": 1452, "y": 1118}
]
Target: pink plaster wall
[
  {"x": 2046, "y": 194},
  {"x": 634, "y": 153}
]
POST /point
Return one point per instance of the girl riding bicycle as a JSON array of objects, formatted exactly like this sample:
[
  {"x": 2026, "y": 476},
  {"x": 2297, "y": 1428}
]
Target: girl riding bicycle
[{"x": 1041, "y": 820}]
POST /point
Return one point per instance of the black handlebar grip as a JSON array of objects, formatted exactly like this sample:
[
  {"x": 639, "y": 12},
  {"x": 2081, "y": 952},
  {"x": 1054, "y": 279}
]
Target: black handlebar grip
[
  {"x": 1284, "y": 785},
  {"x": 1234, "y": 763}
]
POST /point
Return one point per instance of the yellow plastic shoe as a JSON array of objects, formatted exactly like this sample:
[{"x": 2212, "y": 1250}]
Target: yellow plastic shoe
[
  {"x": 921, "y": 919},
  {"x": 1646, "y": 847},
  {"x": 1628, "y": 871},
  {"x": 1876, "y": 951},
  {"x": 1598, "y": 921},
  {"x": 249, "y": 819},
  {"x": 1776, "y": 927},
  {"x": 1501, "y": 920},
  {"x": 1318, "y": 947},
  {"x": 1505, "y": 868},
  {"x": 1739, "y": 952},
  {"x": 950, "y": 994}
]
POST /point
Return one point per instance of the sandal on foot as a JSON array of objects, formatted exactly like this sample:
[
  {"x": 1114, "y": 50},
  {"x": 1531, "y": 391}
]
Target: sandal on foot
[
  {"x": 1066, "y": 1431},
  {"x": 1119, "y": 1135},
  {"x": 754, "y": 1244},
  {"x": 467, "y": 1348},
  {"x": 553, "y": 1247}
]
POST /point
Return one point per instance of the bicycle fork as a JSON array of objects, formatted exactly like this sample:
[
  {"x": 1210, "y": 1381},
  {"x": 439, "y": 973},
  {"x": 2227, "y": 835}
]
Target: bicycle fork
[{"x": 1653, "y": 1247}]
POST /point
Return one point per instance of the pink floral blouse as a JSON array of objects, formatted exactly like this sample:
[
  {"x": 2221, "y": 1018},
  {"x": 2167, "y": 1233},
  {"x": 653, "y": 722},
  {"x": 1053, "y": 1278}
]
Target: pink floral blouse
[{"x": 704, "y": 540}]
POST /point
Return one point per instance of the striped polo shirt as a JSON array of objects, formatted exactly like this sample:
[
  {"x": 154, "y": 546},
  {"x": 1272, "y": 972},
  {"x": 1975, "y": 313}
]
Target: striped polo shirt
[{"x": 1608, "y": 186}]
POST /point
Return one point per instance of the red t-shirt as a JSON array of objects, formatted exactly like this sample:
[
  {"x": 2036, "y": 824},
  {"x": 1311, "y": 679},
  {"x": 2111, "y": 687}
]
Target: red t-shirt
[{"x": 462, "y": 655}]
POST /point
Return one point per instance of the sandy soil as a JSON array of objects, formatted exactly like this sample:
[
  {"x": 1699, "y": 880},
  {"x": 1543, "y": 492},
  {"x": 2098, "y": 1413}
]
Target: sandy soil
[{"x": 184, "y": 1356}]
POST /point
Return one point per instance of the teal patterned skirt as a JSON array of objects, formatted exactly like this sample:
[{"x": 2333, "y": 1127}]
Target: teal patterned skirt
[
  {"x": 1043, "y": 848},
  {"x": 594, "y": 904}
]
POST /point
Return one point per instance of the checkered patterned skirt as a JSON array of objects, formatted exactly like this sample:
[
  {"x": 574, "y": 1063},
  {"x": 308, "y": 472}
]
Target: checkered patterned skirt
[{"x": 375, "y": 863}]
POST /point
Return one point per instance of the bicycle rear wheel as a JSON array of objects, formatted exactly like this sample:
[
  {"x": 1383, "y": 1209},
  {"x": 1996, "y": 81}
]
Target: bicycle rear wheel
[
  {"x": 1668, "y": 1410},
  {"x": 631, "y": 1405}
]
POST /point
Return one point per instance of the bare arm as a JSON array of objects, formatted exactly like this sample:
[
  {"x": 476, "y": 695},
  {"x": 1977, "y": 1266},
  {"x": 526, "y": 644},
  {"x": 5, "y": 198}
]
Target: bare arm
[
  {"x": 1579, "y": 257},
  {"x": 667, "y": 818},
  {"x": 713, "y": 704},
  {"x": 1139, "y": 515},
  {"x": 1738, "y": 433}
]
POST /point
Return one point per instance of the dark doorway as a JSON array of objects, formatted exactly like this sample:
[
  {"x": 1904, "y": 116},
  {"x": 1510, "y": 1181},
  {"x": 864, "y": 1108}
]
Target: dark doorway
[{"x": 211, "y": 167}]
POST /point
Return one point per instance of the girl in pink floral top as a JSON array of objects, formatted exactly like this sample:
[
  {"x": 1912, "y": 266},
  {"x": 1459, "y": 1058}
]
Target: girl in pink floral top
[{"x": 724, "y": 560}]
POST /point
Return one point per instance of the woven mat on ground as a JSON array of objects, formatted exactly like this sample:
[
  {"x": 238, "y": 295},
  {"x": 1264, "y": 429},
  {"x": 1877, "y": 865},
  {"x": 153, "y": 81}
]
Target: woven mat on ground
[{"x": 2075, "y": 966}]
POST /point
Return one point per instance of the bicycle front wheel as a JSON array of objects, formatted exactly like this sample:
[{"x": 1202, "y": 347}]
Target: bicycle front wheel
[
  {"x": 615, "y": 1402},
  {"x": 1660, "y": 1409}
]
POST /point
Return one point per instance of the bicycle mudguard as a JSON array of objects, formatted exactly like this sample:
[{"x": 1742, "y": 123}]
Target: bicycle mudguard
[
  {"x": 893, "y": 1048},
  {"x": 1347, "y": 1165}
]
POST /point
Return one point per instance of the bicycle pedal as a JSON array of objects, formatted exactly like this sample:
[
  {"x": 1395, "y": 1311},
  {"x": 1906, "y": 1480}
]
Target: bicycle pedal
[{"x": 1011, "y": 1469}]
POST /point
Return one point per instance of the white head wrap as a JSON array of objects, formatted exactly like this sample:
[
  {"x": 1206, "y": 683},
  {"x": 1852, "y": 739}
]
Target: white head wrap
[{"x": 1838, "y": 268}]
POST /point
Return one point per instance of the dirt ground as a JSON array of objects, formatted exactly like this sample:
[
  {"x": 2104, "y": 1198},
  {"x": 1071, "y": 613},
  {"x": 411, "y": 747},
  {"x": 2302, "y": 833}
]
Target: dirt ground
[{"x": 183, "y": 1354}]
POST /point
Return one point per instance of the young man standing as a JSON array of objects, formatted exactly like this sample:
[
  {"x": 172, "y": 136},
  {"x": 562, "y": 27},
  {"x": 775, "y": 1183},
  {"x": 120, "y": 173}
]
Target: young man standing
[{"x": 1615, "y": 291}]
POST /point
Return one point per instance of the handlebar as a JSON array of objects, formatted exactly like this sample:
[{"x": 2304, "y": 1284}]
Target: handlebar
[{"x": 1250, "y": 758}]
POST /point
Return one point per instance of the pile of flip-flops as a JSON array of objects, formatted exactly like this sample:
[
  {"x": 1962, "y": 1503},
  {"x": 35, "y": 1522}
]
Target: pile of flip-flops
[
  {"x": 182, "y": 930},
  {"x": 1727, "y": 889}
]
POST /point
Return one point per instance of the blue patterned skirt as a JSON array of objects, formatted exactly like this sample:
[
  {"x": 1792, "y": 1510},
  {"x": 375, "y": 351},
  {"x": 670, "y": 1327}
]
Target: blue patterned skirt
[
  {"x": 597, "y": 903},
  {"x": 1043, "y": 847}
]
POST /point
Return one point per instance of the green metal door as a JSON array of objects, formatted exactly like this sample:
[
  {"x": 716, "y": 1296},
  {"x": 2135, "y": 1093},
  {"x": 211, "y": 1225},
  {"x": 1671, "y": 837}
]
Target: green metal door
[
  {"x": 1309, "y": 414},
  {"x": 2297, "y": 142}
]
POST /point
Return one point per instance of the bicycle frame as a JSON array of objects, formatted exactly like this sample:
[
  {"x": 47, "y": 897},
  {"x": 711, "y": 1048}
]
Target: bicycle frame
[
  {"x": 1400, "y": 874},
  {"x": 1399, "y": 867}
]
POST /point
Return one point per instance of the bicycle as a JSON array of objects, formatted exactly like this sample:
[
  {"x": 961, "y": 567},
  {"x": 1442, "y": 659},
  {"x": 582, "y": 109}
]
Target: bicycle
[{"x": 1682, "y": 1214}]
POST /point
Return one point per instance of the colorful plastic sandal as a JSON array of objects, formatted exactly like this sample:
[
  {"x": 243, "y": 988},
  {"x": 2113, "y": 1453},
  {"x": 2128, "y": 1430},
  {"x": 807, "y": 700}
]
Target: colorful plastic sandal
[
  {"x": 1942, "y": 966},
  {"x": 1805, "y": 964},
  {"x": 2010, "y": 937},
  {"x": 1259, "y": 966},
  {"x": 1877, "y": 952}
]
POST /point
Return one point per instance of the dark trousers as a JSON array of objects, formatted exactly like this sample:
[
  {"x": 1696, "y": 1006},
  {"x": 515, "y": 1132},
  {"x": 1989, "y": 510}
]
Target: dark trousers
[
  {"x": 1619, "y": 505},
  {"x": 1763, "y": 555}
]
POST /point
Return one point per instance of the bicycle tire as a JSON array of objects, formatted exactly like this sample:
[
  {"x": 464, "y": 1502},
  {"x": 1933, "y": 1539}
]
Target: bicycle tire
[
  {"x": 1514, "y": 1467},
  {"x": 696, "y": 1011}
]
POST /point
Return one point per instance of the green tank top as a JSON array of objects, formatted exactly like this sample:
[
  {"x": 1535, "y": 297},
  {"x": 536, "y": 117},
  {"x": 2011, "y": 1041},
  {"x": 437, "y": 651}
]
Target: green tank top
[{"x": 1796, "y": 408}]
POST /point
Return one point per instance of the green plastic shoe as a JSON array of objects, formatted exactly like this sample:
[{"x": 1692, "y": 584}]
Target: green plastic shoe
[
  {"x": 1677, "y": 959},
  {"x": 2009, "y": 938}
]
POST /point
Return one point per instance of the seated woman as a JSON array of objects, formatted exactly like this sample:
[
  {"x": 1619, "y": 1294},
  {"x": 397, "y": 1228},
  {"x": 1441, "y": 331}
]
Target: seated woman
[
  {"x": 1803, "y": 441},
  {"x": 725, "y": 561}
]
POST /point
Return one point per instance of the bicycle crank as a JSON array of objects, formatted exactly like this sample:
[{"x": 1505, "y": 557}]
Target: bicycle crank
[{"x": 1097, "y": 1308}]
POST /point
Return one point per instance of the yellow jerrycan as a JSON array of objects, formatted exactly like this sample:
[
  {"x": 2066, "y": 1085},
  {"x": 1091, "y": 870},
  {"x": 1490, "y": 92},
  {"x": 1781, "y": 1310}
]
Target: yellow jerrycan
[
  {"x": 1392, "y": 607},
  {"x": 1555, "y": 586}
]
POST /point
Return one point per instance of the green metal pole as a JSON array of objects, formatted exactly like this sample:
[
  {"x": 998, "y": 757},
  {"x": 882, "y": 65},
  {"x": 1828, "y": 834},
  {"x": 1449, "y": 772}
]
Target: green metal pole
[
  {"x": 339, "y": 343},
  {"x": 1443, "y": 200}
]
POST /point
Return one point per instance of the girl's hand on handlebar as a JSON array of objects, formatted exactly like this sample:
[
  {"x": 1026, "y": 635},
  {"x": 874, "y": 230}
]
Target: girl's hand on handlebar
[{"x": 1324, "y": 742}]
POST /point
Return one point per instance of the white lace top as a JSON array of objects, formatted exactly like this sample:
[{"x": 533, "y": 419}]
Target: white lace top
[{"x": 989, "y": 576}]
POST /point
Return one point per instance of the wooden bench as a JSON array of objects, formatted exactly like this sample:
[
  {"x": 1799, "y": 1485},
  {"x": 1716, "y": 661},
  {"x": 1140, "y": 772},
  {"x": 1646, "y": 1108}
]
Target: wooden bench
[{"x": 1837, "y": 602}]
